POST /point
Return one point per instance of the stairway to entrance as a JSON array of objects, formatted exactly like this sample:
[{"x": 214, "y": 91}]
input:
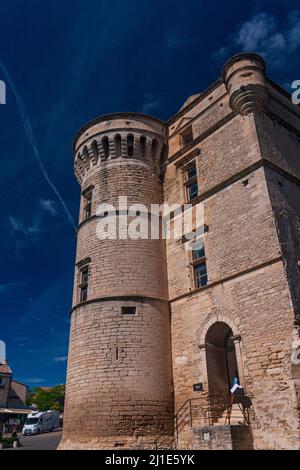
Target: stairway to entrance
[{"x": 202, "y": 415}]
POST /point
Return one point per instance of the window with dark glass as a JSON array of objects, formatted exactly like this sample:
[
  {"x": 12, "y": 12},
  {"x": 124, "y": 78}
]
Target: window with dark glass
[
  {"x": 143, "y": 143},
  {"x": 87, "y": 209},
  {"x": 199, "y": 264},
  {"x": 105, "y": 146},
  {"x": 130, "y": 143},
  {"x": 191, "y": 182},
  {"x": 118, "y": 145},
  {"x": 187, "y": 136},
  {"x": 84, "y": 283},
  {"x": 200, "y": 275},
  {"x": 128, "y": 310}
]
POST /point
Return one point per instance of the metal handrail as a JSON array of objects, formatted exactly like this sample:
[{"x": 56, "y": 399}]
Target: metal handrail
[
  {"x": 181, "y": 413},
  {"x": 171, "y": 434}
]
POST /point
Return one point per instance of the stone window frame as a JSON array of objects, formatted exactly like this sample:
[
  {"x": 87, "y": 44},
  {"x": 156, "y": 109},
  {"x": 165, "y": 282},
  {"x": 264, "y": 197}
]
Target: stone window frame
[
  {"x": 196, "y": 262},
  {"x": 83, "y": 266},
  {"x": 188, "y": 182},
  {"x": 238, "y": 344},
  {"x": 3, "y": 382},
  {"x": 128, "y": 315},
  {"x": 188, "y": 158},
  {"x": 186, "y": 135},
  {"x": 87, "y": 202}
]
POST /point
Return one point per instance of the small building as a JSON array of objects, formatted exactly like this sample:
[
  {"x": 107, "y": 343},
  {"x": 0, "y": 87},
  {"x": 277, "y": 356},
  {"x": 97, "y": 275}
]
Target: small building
[{"x": 13, "y": 410}]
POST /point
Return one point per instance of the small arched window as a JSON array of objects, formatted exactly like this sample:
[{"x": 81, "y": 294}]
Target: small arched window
[
  {"x": 85, "y": 153},
  {"x": 130, "y": 141},
  {"x": 94, "y": 148},
  {"x": 143, "y": 146},
  {"x": 105, "y": 145},
  {"x": 154, "y": 148},
  {"x": 118, "y": 146}
]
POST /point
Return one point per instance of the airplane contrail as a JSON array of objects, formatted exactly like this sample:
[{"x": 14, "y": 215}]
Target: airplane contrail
[{"x": 33, "y": 143}]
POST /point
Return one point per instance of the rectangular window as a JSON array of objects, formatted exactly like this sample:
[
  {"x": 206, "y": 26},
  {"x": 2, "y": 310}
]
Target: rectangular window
[
  {"x": 192, "y": 191},
  {"x": 87, "y": 203},
  {"x": 200, "y": 275},
  {"x": 83, "y": 293},
  {"x": 199, "y": 251},
  {"x": 191, "y": 182},
  {"x": 88, "y": 211},
  {"x": 199, "y": 264},
  {"x": 84, "y": 281},
  {"x": 128, "y": 310},
  {"x": 187, "y": 136}
]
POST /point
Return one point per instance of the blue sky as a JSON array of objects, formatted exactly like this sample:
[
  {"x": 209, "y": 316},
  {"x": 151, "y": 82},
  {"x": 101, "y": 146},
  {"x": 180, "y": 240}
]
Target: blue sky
[{"x": 72, "y": 61}]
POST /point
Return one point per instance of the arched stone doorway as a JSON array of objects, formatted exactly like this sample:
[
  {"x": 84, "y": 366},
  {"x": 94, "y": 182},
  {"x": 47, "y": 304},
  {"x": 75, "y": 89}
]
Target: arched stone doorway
[{"x": 221, "y": 360}]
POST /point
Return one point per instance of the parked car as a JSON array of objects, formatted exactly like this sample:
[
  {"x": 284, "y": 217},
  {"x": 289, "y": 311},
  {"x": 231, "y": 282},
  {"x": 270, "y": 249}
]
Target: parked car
[{"x": 40, "y": 421}]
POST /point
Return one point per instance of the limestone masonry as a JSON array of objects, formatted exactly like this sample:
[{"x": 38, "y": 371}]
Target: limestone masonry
[{"x": 159, "y": 332}]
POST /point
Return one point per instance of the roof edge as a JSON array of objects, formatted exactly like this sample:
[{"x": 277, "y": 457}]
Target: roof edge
[{"x": 120, "y": 115}]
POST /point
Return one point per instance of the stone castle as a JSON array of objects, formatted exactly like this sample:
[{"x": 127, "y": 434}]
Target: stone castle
[{"x": 158, "y": 332}]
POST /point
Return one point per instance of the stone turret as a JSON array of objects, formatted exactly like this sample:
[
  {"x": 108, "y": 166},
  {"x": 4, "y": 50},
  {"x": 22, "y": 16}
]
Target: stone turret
[
  {"x": 119, "y": 383},
  {"x": 245, "y": 80}
]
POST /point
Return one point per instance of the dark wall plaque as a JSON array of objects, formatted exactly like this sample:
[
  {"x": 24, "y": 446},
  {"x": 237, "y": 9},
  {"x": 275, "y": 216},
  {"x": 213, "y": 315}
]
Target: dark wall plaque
[{"x": 198, "y": 387}]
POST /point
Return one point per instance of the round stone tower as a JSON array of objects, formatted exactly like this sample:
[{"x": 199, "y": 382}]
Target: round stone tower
[
  {"x": 119, "y": 382},
  {"x": 245, "y": 79}
]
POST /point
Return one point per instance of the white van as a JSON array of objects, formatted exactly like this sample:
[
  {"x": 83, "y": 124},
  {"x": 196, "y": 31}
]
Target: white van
[{"x": 40, "y": 421}]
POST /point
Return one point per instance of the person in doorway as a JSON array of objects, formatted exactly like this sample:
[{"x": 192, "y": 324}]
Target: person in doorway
[{"x": 236, "y": 387}]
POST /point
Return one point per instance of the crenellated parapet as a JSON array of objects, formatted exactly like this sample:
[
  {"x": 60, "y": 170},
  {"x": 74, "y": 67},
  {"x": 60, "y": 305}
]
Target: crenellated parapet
[
  {"x": 245, "y": 79},
  {"x": 116, "y": 137}
]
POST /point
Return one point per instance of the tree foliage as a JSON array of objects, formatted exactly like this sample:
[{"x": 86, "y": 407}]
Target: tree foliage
[{"x": 51, "y": 399}]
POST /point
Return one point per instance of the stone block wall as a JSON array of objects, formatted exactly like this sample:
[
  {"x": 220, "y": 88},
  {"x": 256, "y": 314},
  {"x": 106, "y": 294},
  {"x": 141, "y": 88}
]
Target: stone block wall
[{"x": 216, "y": 438}]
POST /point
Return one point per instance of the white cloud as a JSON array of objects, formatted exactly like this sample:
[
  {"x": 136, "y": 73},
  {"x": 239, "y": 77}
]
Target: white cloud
[
  {"x": 33, "y": 380},
  {"x": 151, "y": 102},
  {"x": 48, "y": 206},
  {"x": 16, "y": 224},
  {"x": 221, "y": 53},
  {"x": 263, "y": 33},
  {"x": 254, "y": 31},
  {"x": 60, "y": 358},
  {"x": 26, "y": 229}
]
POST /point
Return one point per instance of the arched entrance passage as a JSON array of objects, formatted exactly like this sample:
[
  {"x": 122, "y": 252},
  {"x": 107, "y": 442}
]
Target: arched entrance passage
[{"x": 220, "y": 359}]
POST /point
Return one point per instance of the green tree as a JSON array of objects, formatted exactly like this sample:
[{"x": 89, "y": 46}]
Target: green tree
[{"x": 50, "y": 399}]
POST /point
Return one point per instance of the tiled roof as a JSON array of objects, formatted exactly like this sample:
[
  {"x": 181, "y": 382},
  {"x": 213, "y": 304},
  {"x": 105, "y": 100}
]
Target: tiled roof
[{"x": 5, "y": 369}]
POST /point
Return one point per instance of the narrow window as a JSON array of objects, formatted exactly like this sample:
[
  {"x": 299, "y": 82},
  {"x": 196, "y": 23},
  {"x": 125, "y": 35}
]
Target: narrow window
[
  {"x": 2, "y": 382},
  {"x": 128, "y": 310},
  {"x": 143, "y": 146},
  {"x": 187, "y": 136},
  {"x": 84, "y": 282},
  {"x": 105, "y": 146},
  {"x": 87, "y": 201},
  {"x": 85, "y": 154},
  {"x": 118, "y": 145},
  {"x": 154, "y": 148},
  {"x": 130, "y": 141},
  {"x": 199, "y": 264},
  {"x": 191, "y": 182},
  {"x": 94, "y": 148},
  {"x": 88, "y": 211}
]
